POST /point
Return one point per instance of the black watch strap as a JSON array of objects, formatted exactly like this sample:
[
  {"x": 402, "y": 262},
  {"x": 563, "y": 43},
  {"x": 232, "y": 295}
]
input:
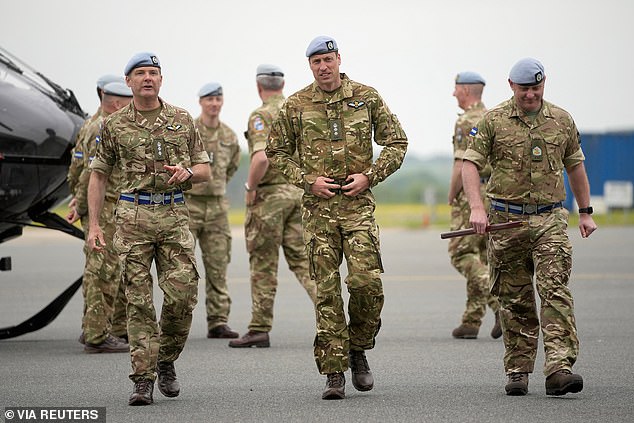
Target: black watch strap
[{"x": 586, "y": 210}]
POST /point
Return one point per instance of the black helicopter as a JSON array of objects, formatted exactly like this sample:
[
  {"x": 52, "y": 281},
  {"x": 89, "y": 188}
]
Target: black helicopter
[{"x": 39, "y": 121}]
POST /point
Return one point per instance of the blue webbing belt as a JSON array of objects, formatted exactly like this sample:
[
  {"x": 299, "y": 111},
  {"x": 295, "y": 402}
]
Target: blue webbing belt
[
  {"x": 153, "y": 197},
  {"x": 514, "y": 208}
]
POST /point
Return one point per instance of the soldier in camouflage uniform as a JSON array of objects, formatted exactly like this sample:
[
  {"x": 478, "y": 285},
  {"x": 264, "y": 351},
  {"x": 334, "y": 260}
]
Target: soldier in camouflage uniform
[
  {"x": 78, "y": 162},
  {"x": 208, "y": 208},
  {"x": 331, "y": 124},
  {"x": 159, "y": 153},
  {"x": 529, "y": 142},
  {"x": 468, "y": 253},
  {"x": 273, "y": 216},
  {"x": 77, "y": 153},
  {"x": 104, "y": 297}
]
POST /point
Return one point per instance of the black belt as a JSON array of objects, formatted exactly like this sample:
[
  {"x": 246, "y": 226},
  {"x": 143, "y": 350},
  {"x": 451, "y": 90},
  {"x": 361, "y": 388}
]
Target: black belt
[
  {"x": 514, "y": 208},
  {"x": 142, "y": 197},
  {"x": 341, "y": 182}
]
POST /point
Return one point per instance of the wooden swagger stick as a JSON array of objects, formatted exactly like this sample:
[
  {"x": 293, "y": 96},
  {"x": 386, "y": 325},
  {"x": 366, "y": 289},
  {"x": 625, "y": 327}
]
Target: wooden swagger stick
[{"x": 490, "y": 228}]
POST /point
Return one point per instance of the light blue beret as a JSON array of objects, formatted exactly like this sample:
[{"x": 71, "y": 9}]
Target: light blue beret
[
  {"x": 470, "y": 78},
  {"x": 211, "y": 88},
  {"x": 527, "y": 71},
  {"x": 320, "y": 45},
  {"x": 119, "y": 89},
  {"x": 270, "y": 70},
  {"x": 142, "y": 59},
  {"x": 105, "y": 79}
]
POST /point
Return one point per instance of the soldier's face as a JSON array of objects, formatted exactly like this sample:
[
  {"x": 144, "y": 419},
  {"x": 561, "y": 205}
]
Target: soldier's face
[
  {"x": 528, "y": 98},
  {"x": 145, "y": 81},
  {"x": 325, "y": 69},
  {"x": 211, "y": 105}
]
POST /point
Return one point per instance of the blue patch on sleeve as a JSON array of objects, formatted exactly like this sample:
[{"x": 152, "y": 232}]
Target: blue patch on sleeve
[
  {"x": 258, "y": 125},
  {"x": 474, "y": 131}
]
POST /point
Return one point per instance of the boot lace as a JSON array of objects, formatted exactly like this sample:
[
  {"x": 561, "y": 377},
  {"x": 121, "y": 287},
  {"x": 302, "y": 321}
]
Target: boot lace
[
  {"x": 167, "y": 371},
  {"x": 517, "y": 377},
  {"x": 143, "y": 387},
  {"x": 359, "y": 362},
  {"x": 335, "y": 380}
]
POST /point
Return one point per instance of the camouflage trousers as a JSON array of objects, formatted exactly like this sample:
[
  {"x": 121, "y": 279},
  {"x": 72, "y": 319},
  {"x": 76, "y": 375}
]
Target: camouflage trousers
[
  {"x": 541, "y": 248},
  {"x": 104, "y": 295},
  {"x": 159, "y": 234},
  {"x": 335, "y": 228},
  {"x": 209, "y": 223},
  {"x": 274, "y": 220},
  {"x": 469, "y": 257}
]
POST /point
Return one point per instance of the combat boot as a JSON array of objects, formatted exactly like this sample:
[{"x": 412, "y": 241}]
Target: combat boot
[
  {"x": 496, "y": 332},
  {"x": 142, "y": 393},
  {"x": 222, "y": 331},
  {"x": 562, "y": 382},
  {"x": 465, "y": 332},
  {"x": 252, "y": 339},
  {"x": 110, "y": 345},
  {"x": 517, "y": 384},
  {"x": 362, "y": 378},
  {"x": 167, "y": 383},
  {"x": 335, "y": 387}
]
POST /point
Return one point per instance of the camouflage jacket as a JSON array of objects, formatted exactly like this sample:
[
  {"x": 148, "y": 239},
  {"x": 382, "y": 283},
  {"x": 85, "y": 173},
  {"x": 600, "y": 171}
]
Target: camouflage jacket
[
  {"x": 89, "y": 147},
  {"x": 462, "y": 132},
  {"x": 528, "y": 156},
  {"x": 332, "y": 132},
  {"x": 223, "y": 149},
  {"x": 257, "y": 134},
  {"x": 77, "y": 153},
  {"x": 140, "y": 150}
]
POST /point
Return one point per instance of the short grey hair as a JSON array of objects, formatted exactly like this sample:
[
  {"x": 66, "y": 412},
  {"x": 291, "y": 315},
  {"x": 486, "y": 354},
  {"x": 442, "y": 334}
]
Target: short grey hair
[{"x": 269, "y": 82}]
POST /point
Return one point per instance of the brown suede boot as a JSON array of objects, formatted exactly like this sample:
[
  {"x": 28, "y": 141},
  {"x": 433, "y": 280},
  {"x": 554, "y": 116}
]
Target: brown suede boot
[
  {"x": 222, "y": 331},
  {"x": 252, "y": 339},
  {"x": 167, "y": 383},
  {"x": 517, "y": 384},
  {"x": 110, "y": 345},
  {"x": 335, "y": 387},
  {"x": 465, "y": 332},
  {"x": 562, "y": 382},
  {"x": 362, "y": 378},
  {"x": 142, "y": 393}
]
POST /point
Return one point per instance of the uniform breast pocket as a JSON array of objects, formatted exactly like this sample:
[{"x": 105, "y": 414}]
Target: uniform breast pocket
[
  {"x": 357, "y": 123},
  {"x": 315, "y": 132},
  {"x": 555, "y": 152},
  {"x": 223, "y": 155},
  {"x": 177, "y": 151},
  {"x": 509, "y": 152},
  {"x": 132, "y": 154}
]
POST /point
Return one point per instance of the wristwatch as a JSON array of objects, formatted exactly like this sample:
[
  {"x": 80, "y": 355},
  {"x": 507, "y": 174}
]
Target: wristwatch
[
  {"x": 248, "y": 188},
  {"x": 586, "y": 210},
  {"x": 190, "y": 171}
]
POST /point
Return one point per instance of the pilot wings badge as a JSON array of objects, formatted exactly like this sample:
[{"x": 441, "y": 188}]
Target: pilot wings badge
[{"x": 356, "y": 104}]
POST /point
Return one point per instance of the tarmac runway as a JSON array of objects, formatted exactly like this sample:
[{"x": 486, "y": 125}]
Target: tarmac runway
[{"x": 421, "y": 373}]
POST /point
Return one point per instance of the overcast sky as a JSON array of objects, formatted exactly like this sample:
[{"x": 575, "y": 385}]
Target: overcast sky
[{"x": 408, "y": 50}]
